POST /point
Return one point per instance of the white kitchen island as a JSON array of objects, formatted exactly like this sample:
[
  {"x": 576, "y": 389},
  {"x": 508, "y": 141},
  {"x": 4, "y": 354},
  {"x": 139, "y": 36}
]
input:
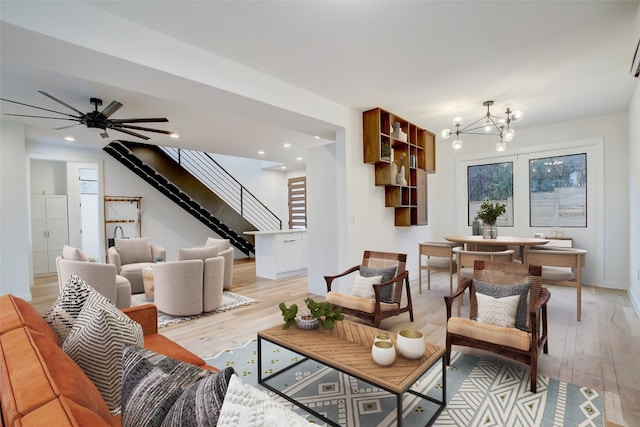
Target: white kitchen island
[{"x": 280, "y": 253}]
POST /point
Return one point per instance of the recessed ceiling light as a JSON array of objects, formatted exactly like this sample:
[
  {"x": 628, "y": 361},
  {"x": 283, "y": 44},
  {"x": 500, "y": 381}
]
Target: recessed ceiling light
[
  {"x": 261, "y": 152},
  {"x": 298, "y": 158},
  {"x": 286, "y": 145},
  {"x": 69, "y": 138},
  {"x": 174, "y": 135},
  {"x": 316, "y": 136},
  {"x": 283, "y": 167}
]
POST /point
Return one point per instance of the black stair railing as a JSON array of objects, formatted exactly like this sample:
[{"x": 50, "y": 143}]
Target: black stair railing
[
  {"x": 125, "y": 156},
  {"x": 202, "y": 166}
]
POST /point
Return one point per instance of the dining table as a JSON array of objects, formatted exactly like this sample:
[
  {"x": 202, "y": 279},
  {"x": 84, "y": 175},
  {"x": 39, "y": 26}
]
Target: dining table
[{"x": 523, "y": 243}]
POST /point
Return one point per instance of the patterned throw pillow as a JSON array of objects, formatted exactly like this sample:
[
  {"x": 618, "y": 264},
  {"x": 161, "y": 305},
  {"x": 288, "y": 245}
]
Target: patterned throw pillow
[
  {"x": 247, "y": 406},
  {"x": 362, "y": 286},
  {"x": 63, "y": 313},
  {"x": 497, "y": 311},
  {"x": 95, "y": 344},
  {"x": 200, "y": 404},
  {"x": 152, "y": 383},
  {"x": 386, "y": 293},
  {"x": 500, "y": 291}
]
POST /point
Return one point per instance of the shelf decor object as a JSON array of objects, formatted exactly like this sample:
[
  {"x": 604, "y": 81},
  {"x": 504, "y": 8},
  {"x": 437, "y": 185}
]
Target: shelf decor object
[
  {"x": 486, "y": 125},
  {"x": 402, "y": 154}
]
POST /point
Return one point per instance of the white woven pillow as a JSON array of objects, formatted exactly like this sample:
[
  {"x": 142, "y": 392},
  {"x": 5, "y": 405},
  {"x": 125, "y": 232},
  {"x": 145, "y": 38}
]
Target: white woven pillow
[
  {"x": 247, "y": 406},
  {"x": 497, "y": 311},
  {"x": 362, "y": 286}
]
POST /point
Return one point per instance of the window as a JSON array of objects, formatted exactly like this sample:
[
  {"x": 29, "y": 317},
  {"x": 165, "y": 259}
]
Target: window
[
  {"x": 558, "y": 191},
  {"x": 494, "y": 182}
]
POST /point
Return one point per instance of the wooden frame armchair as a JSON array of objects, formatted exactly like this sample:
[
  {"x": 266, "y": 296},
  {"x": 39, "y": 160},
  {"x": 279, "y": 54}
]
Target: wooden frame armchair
[
  {"x": 520, "y": 345},
  {"x": 373, "y": 310}
]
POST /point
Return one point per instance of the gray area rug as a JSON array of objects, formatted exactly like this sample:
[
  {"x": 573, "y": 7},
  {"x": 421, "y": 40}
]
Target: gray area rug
[
  {"x": 480, "y": 392},
  {"x": 230, "y": 301}
]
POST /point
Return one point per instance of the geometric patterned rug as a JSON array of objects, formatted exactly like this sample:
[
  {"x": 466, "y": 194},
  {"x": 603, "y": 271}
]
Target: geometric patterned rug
[
  {"x": 480, "y": 392},
  {"x": 229, "y": 302}
]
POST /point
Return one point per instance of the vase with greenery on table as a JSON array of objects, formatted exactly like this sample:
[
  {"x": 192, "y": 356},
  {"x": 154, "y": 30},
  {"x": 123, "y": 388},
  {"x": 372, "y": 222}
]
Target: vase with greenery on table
[
  {"x": 321, "y": 313},
  {"x": 489, "y": 213}
]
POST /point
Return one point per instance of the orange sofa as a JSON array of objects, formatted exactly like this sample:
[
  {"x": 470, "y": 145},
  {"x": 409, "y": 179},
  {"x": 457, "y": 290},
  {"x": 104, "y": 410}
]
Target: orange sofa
[{"x": 41, "y": 385}]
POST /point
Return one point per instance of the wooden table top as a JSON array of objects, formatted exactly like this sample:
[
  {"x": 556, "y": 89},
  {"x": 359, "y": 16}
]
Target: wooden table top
[
  {"x": 347, "y": 347},
  {"x": 500, "y": 240}
]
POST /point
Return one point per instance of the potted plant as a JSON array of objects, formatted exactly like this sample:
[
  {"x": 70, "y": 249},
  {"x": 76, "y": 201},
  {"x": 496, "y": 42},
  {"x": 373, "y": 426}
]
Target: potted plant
[
  {"x": 489, "y": 213},
  {"x": 317, "y": 314}
]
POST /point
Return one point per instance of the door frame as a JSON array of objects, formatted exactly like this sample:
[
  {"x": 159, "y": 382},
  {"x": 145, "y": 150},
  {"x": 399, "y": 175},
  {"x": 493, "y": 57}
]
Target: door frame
[{"x": 67, "y": 158}]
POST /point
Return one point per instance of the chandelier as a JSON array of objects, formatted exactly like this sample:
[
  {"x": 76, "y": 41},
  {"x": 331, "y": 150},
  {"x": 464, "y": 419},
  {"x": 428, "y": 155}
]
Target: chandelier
[{"x": 486, "y": 125}]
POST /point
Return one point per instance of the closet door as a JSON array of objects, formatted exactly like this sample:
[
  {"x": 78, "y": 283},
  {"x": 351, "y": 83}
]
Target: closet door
[{"x": 50, "y": 231}]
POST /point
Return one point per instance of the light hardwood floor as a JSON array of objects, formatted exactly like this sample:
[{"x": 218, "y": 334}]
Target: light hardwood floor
[{"x": 602, "y": 351}]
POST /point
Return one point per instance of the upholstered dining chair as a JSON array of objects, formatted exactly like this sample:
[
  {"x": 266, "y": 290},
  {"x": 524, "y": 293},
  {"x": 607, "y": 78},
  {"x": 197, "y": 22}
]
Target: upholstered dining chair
[
  {"x": 439, "y": 257},
  {"x": 560, "y": 266},
  {"x": 507, "y": 314},
  {"x": 377, "y": 288}
]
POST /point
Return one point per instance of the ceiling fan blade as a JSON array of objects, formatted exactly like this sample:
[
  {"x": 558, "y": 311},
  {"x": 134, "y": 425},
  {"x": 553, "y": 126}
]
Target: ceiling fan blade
[
  {"x": 148, "y": 120},
  {"x": 67, "y": 127},
  {"x": 130, "y": 133},
  {"x": 61, "y": 102},
  {"x": 39, "y": 117},
  {"x": 166, "y": 132},
  {"x": 111, "y": 108},
  {"x": 39, "y": 108}
]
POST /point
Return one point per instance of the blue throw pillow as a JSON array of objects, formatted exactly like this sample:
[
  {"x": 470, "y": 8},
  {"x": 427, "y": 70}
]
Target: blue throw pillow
[{"x": 386, "y": 294}]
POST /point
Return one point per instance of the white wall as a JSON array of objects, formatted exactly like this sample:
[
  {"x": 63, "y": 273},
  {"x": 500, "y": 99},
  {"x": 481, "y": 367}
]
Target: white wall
[
  {"x": 15, "y": 240},
  {"x": 634, "y": 198},
  {"x": 269, "y": 186},
  {"x": 48, "y": 177}
]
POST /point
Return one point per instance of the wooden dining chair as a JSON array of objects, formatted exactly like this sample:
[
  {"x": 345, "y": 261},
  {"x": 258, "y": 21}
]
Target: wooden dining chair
[{"x": 439, "y": 257}]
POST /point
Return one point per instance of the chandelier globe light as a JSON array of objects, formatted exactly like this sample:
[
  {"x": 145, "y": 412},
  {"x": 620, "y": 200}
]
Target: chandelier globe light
[{"x": 486, "y": 125}]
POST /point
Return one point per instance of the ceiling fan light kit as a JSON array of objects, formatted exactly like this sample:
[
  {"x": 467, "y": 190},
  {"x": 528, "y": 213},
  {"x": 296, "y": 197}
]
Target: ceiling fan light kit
[
  {"x": 96, "y": 120},
  {"x": 486, "y": 125}
]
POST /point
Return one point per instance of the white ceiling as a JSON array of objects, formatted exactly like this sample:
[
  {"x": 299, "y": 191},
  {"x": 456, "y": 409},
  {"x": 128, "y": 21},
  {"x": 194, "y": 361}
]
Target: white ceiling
[{"x": 426, "y": 61}]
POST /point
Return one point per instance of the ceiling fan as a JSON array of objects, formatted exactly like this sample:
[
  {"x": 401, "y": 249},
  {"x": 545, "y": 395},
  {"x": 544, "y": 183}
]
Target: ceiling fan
[{"x": 96, "y": 119}]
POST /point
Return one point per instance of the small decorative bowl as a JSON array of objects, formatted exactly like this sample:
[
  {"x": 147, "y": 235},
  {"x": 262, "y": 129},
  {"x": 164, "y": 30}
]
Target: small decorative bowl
[
  {"x": 411, "y": 343},
  {"x": 383, "y": 353},
  {"x": 307, "y": 323}
]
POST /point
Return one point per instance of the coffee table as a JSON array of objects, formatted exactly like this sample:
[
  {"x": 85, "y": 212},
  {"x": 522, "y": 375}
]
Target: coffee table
[{"x": 347, "y": 348}]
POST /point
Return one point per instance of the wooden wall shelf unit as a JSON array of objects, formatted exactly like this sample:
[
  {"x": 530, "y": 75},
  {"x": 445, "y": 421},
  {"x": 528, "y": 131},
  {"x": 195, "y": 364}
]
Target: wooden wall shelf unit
[
  {"x": 123, "y": 211},
  {"x": 416, "y": 146}
]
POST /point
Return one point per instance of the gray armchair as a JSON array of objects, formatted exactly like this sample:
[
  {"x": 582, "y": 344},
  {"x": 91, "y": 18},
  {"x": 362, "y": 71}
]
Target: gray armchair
[
  {"x": 191, "y": 285},
  {"x": 130, "y": 256},
  {"x": 102, "y": 277}
]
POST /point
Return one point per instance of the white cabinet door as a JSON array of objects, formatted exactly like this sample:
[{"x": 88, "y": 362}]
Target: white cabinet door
[{"x": 50, "y": 231}]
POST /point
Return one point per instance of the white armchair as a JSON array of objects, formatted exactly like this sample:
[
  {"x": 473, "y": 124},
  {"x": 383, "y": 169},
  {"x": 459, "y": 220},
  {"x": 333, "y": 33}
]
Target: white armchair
[
  {"x": 102, "y": 277},
  {"x": 226, "y": 251},
  {"x": 190, "y": 285},
  {"x": 130, "y": 256}
]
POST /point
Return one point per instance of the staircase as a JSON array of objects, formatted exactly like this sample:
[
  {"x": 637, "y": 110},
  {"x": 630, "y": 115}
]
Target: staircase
[{"x": 199, "y": 185}]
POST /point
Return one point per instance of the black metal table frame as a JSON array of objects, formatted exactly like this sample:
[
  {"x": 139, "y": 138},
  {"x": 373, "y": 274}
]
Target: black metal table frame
[{"x": 263, "y": 381}]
